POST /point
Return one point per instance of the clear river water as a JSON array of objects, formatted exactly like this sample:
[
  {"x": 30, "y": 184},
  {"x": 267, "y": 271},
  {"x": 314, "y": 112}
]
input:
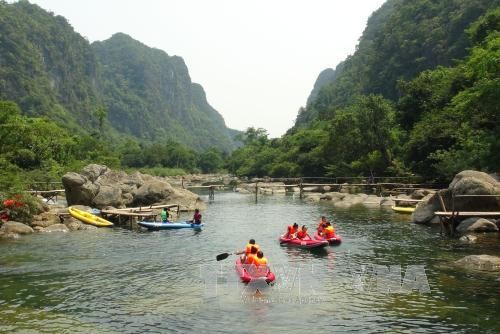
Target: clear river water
[{"x": 388, "y": 275}]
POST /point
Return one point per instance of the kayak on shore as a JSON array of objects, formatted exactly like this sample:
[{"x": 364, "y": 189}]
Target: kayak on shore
[
  {"x": 89, "y": 218},
  {"x": 303, "y": 243},
  {"x": 246, "y": 276},
  {"x": 403, "y": 209},
  {"x": 169, "y": 225},
  {"x": 335, "y": 240}
]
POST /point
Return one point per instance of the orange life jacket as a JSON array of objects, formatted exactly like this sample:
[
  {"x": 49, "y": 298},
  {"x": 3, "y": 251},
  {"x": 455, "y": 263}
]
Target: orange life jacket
[
  {"x": 301, "y": 234},
  {"x": 260, "y": 261},
  {"x": 291, "y": 230},
  {"x": 329, "y": 231},
  {"x": 251, "y": 258},
  {"x": 249, "y": 248}
]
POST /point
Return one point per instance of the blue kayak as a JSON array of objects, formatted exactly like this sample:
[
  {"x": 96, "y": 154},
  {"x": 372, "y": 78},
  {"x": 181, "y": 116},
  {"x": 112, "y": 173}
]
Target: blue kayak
[{"x": 169, "y": 225}]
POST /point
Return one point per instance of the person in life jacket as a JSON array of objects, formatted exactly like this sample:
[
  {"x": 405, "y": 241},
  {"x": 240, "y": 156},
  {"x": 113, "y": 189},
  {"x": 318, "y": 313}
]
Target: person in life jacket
[
  {"x": 302, "y": 234},
  {"x": 247, "y": 250},
  {"x": 196, "y": 217},
  {"x": 164, "y": 215},
  {"x": 260, "y": 263},
  {"x": 292, "y": 230},
  {"x": 329, "y": 231},
  {"x": 250, "y": 258},
  {"x": 322, "y": 224}
]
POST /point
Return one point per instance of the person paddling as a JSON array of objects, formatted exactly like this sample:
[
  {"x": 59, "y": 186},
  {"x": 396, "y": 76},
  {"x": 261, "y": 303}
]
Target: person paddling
[
  {"x": 196, "y": 217},
  {"x": 164, "y": 215},
  {"x": 251, "y": 257},
  {"x": 247, "y": 250}
]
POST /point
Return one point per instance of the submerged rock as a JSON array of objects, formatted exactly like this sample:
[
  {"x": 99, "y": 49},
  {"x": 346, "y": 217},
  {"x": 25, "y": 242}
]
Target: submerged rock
[
  {"x": 468, "y": 239},
  {"x": 480, "y": 262},
  {"x": 476, "y": 224},
  {"x": 56, "y": 228}
]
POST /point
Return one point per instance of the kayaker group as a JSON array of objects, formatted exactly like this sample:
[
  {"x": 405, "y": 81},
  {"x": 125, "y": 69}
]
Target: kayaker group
[
  {"x": 164, "y": 214},
  {"x": 324, "y": 229},
  {"x": 252, "y": 255}
]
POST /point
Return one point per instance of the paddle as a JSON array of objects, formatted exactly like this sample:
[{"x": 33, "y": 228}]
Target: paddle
[{"x": 222, "y": 256}]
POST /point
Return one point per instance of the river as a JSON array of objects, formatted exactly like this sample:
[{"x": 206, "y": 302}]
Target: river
[{"x": 129, "y": 281}]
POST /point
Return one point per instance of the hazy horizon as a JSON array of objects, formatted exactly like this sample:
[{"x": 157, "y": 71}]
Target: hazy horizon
[{"x": 257, "y": 61}]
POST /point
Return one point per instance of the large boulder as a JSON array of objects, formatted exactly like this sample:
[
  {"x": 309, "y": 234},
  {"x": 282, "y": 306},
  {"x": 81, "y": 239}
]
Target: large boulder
[
  {"x": 464, "y": 183},
  {"x": 108, "y": 196},
  {"x": 78, "y": 189},
  {"x": 424, "y": 212},
  {"x": 98, "y": 186},
  {"x": 476, "y": 224},
  {"x": 15, "y": 228},
  {"x": 471, "y": 182}
]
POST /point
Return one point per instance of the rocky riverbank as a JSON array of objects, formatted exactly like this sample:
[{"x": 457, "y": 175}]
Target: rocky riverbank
[{"x": 470, "y": 191}]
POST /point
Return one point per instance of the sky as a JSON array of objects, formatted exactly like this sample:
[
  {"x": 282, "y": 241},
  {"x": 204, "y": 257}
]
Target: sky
[{"x": 257, "y": 60}]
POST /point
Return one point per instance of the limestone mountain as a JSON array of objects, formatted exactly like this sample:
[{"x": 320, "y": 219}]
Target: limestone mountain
[{"x": 50, "y": 70}]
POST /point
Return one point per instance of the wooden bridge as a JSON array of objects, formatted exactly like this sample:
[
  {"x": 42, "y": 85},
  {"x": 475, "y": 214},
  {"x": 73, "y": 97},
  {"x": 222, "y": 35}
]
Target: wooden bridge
[
  {"x": 382, "y": 186},
  {"x": 49, "y": 190}
]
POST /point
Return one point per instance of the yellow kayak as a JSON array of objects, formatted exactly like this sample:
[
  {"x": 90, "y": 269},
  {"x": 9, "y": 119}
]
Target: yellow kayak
[
  {"x": 89, "y": 218},
  {"x": 403, "y": 209}
]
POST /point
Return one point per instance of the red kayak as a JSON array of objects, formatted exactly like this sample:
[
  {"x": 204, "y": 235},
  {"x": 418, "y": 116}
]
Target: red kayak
[
  {"x": 246, "y": 276},
  {"x": 335, "y": 240},
  {"x": 303, "y": 243}
]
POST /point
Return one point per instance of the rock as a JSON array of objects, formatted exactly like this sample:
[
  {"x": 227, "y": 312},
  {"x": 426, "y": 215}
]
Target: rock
[
  {"x": 78, "y": 189},
  {"x": 56, "y": 228},
  {"x": 152, "y": 192},
  {"x": 387, "y": 202},
  {"x": 15, "y": 227},
  {"x": 92, "y": 172},
  {"x": 10, "y": 235},
  {"x": 471, "y": 182},
  {"x": 72, "y": 224},
  {"x": 468, "y": 239},
  {"x": 87, "y": 227},
  {"x": 108, "y": 196},
  {"x": 98, "y": 186},
  {"x": 424, "y": 212},
  {"x": 45, "y": 219},
  {"x": 480, "y": 262},
  {"x": 420, "y": 193},
  {"x": 476, "y": 224},
  {"x": 38, "y": 229}
]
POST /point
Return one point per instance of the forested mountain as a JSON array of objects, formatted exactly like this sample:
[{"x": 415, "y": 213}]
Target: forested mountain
[
  {"x": 118, "y": 87},
  {"x": 47, "y": 68},
  {"x": 401, "y": 39},
  {"x": 149, "y": 95},
  {"x": 418, "y": 97}
]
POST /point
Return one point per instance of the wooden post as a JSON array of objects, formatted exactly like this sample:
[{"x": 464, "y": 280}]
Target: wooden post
[
  {"x": 301, "y": 187},
  {"x": 182, "y": 182},
  {"x": 256, "y": 190}
]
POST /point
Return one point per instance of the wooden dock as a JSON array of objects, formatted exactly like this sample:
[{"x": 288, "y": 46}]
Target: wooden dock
[
  {"x": 449, "y": 220},
  {"x": 137, "y": 213}
]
